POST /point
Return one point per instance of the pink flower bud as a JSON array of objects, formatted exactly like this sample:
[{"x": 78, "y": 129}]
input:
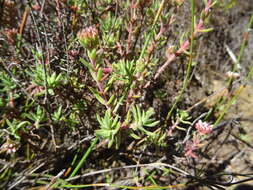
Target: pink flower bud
[
  {"x": 107, "y": 70},
  {"x": 199, "y": 25},
  {"x": 183, "y": 47},
  {"x": 192, "y": 146},
  {"x": 88, "y": 37},
  {"x": 203, "y": 127},
  {"x": 208, "y": 6}
]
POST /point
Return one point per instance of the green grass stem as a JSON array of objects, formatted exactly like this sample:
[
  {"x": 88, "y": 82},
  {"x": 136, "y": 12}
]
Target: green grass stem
[
  {"x": 86, "y": 154},
  {"x": 189, "y": 66},
  {"x": 150, "y": 33},
  {"x": 249, "y": 75}
]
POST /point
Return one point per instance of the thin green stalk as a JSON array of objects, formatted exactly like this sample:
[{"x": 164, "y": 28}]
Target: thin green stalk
[
  {"x": 228, "y": 105},
  {"x": 186, "y": 79},
  {"x": 249, "y": 75},
  {"x": 233, "y": 99},
  {"x": 152, "y": 29},
  {"x": 242, "y": 49},
  {"x": 126, "y": 187},
  {"x": 86, "y": 154},
  {"x": 244, "y": 43}
]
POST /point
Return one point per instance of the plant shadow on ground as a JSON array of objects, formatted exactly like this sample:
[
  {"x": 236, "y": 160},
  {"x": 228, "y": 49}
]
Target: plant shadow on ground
[{"x": 82, "y": 91}]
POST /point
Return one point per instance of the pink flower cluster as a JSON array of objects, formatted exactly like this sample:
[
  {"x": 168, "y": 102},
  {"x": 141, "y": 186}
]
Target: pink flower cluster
[
  {"x": 191, "y": 146},
  {"x": 194, "y": 144},
  {"x": 89, "y": 32},
  {"x": 88, "y": 37},
  {"x": 203, "y": 127},
  {"x": 9, "y": 148}
]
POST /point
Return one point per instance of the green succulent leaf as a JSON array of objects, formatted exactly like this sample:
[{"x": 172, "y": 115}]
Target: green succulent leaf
[
  {"x": 109, "y": 128},
  {"x": 143, "y": 119},
  {"x": 97, "y": 96},
  {"x": 206, "y": 30},
  {"x": 87, "y": 64},
  {"x": 111, "y": 99},
  {"x": 15, "y": 126},
  {"x": 102, "y": 133},
  {"x": 99, "y": 74}
]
